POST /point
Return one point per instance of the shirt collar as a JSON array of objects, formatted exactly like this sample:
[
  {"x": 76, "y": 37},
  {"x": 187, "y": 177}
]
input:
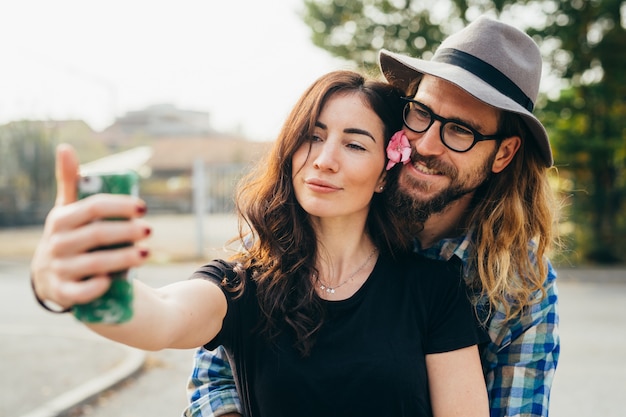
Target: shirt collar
[{"x": 446, "y": 248}]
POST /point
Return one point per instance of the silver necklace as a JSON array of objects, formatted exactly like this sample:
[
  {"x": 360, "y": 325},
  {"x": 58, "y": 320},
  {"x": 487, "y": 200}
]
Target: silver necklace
[{"x": 331, "y": 290}]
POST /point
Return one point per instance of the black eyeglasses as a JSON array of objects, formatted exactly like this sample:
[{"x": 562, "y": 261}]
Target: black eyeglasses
[{"x": 454, "y": 135}]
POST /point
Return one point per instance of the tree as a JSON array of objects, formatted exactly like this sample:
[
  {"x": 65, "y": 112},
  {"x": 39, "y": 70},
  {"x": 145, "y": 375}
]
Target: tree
[
  {"x": 27, "y": 182},
  {"x": 356, "y": 30},
  {"x": 582, "y": 42},
  {"x": 588, "y": 121},
  {"x": 27, "y": 150}
]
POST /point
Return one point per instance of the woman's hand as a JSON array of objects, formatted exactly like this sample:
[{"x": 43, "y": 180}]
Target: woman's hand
[{"x": 73, "y": 229}]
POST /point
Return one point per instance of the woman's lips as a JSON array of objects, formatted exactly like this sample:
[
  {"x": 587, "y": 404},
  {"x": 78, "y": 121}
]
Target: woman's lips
[{"x": 321, "y": 186}]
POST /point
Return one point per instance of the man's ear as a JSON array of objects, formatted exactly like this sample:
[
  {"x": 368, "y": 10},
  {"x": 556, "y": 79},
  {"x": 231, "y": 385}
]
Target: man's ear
[{"x": 507, "y": 150}]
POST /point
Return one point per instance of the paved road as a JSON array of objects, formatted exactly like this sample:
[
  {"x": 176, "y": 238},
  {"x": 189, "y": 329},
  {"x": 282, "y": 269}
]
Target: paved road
[
  {"x": 591, "y": 378},
  {"x": 44, "y": 356}
]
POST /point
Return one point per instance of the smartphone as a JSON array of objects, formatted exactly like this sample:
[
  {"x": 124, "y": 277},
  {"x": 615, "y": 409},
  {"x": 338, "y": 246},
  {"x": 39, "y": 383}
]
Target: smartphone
[{"x": 116, "y": 305}]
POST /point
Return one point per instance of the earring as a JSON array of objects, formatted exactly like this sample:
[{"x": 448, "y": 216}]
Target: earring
[{"x": 381, "y": 188}]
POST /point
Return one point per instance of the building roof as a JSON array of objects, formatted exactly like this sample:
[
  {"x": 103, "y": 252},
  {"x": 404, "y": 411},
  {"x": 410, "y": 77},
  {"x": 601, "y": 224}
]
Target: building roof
[
  {"x": 134, "y": 159},
  {"x": 179, "y": 154}
]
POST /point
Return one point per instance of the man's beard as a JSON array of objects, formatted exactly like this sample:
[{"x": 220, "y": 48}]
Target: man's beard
[{"x": 417, "y": 211}]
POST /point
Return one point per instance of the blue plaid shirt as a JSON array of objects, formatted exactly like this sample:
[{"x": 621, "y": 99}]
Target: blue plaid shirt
[{"x": 519, "y": 362}]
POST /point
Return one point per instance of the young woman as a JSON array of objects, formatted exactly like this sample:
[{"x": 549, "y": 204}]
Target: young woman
[{"x": 326, "y": 313}]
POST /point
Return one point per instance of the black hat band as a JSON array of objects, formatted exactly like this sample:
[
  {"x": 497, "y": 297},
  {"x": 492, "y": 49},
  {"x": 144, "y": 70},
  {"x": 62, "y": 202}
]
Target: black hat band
[{"x": 485, "y": 72}]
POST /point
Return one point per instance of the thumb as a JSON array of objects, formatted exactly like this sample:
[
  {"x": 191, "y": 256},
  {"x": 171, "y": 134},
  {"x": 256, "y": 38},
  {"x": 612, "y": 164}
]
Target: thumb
[{"x": 66, "y": 173}]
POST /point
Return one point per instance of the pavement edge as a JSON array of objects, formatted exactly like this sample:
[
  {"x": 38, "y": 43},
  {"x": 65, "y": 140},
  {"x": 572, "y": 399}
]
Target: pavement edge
[{"x": 132, "y": 364}]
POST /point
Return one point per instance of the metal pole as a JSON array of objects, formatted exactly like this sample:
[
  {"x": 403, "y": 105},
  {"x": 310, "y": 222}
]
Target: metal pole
[{"x": 199, "y": 199}]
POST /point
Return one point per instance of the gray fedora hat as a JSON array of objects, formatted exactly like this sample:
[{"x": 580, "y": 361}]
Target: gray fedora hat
[{"x": 495, "y": 62}]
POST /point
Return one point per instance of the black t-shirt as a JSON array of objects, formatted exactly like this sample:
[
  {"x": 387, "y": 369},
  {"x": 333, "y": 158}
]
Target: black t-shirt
[{"x": 369, "y": 356}]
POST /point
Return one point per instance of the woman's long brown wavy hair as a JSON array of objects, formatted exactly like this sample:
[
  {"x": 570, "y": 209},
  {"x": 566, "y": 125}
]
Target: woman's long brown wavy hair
[{"x": 281, "y": 243}]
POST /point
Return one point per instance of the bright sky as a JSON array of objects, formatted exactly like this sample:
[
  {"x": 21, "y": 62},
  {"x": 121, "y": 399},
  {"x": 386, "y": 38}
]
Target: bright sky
[{"x": 246, "y": 61}]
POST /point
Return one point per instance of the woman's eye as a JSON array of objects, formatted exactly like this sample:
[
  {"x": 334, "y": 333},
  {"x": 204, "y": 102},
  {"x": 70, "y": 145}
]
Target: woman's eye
[{"x": 356, "y": 146}]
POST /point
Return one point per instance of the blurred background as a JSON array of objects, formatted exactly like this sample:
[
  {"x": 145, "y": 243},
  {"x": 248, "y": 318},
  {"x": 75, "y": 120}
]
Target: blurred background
[
  {"x": 163, "y": 87},
  {"x": 189, "y": 93}
]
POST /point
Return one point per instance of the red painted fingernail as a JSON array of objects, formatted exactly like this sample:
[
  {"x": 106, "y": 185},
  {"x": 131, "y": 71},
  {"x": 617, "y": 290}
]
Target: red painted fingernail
[
  {"x": 144, "y": 253},
  {"x": 147, "y": 231},
  {"x": 142, "y": 209}
]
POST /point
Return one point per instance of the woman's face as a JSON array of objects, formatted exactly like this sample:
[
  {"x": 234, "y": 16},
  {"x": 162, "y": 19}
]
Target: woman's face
[{"x": 336, "y": 171}]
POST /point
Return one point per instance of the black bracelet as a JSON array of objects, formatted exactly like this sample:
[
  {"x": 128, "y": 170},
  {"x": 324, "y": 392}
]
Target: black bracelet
[{"x": 43, "y": 303}]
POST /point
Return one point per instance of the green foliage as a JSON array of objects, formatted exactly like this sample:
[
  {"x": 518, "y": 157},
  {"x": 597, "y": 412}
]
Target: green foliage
[
  {"x": 357, "y": 30},
  {"x": 26, "y": 173},
  {"x": 83, "y": 139},
  {"x": 587, "y": 123},
  {"x": 582, "y": 42},
  {"x": 27, "y": 151}
]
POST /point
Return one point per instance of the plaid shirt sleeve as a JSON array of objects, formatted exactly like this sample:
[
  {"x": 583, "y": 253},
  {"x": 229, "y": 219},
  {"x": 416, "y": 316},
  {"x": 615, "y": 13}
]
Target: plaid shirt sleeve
[
  {"x": 211, "y": 387},
  {"x": 522, "y": 357}
]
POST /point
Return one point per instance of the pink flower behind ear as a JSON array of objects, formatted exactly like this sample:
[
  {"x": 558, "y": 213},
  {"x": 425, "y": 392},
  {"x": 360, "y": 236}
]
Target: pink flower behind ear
[{"x": 398, "y": 149}]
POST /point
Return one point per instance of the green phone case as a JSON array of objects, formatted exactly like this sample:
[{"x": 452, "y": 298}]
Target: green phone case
[{"x": 116, "y": 305}]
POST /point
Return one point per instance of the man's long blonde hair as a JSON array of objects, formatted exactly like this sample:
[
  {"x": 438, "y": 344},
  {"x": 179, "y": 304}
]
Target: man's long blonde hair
[{"x": 514, "y": 216}]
